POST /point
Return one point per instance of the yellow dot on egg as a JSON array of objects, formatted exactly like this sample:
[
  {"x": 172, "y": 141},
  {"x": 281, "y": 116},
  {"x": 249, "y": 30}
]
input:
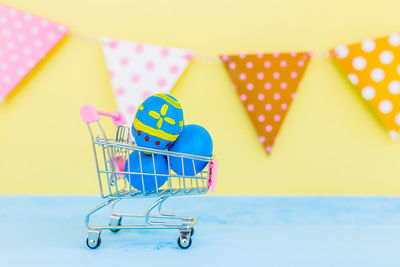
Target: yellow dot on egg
[
  {"x": 141, "y": 108},
  {"x": 154, "y": 114},
  {"x": 169, "y": 120},
  {"x": 164, "y": 109},
  {"x": 181, "y": 123},
  {"x": 159, "y": 123}
]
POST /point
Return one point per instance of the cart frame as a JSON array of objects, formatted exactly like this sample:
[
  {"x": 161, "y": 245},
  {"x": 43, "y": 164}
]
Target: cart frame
[{"x": 114, "y": 181}]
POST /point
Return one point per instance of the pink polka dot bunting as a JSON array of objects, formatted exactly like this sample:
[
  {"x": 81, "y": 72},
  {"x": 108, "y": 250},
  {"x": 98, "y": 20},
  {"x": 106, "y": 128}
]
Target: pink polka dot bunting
[
  {"x": 266, "y": 84},
  {"x": 24, "y": 40},
  {"x": 142, "y": 70}
]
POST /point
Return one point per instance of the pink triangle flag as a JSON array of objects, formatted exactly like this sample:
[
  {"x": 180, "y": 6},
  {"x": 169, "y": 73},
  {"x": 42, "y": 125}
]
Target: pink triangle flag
[
  {"x": 139, "y": 70},
  {"x": 24, "y": 40}
]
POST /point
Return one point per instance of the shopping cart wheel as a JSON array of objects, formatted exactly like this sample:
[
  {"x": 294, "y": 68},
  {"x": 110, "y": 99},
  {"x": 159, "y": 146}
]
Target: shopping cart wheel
[
  {"x": 184, "y": 243},
  {"x": 93, "y": 240},
  {"x": 115, "y": 220},
  {"x": 93, "y": 244}
]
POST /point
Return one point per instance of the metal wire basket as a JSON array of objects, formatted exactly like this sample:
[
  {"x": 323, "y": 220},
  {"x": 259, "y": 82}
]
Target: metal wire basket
[{"x": 112, "y": 156}]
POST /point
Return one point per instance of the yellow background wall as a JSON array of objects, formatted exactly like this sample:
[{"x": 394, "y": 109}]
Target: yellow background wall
[{"x": 330, "y": 143}]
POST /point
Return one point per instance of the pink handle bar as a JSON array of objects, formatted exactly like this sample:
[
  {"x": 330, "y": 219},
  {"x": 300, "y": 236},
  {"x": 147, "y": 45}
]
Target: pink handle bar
[{"x": 90, "y": 114}]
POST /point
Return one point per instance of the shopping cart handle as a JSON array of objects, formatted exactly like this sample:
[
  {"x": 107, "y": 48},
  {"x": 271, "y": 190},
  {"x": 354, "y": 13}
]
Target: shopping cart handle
[{"x": 90, "y": 114}]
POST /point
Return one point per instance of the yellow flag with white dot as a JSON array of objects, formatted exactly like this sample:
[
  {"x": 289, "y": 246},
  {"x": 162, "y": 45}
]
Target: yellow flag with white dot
[{"x": 373, "y": 66}]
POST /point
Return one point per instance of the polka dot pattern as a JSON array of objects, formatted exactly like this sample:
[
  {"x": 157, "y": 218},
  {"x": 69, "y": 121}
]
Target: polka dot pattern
[
  {"x": 143, "y": 70},
  {"x": 266, "y": 85},
  {"x": 373, "y": 66},
  {"x": 24, "y": 41}
]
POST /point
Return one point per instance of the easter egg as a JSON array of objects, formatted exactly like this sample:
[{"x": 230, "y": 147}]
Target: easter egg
[
  {"x": 194, "y": 140},
  {"x": 160, "y": 165},
  {"x": 158, "y": 122}
]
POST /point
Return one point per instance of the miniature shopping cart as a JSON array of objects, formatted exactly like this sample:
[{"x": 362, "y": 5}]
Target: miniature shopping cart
[{"x": 110, "y": 156}]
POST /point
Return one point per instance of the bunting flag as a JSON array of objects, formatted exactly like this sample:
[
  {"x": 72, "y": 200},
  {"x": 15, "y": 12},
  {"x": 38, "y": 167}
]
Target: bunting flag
[
  {"x": 373, "y": 66},
  {"x": 139, "y": 70},
  {"x": 24, "y": 40},
  {"x": 266, "y": 85}
]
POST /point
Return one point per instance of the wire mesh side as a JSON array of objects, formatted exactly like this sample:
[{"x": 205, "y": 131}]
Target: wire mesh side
[
  {"x": 117, "y": 183},
  {"x": 171, "y": 183}
]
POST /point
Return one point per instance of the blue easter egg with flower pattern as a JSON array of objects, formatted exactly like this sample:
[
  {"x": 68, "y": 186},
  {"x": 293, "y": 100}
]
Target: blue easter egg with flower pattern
[{"x": 158, "y": 122}]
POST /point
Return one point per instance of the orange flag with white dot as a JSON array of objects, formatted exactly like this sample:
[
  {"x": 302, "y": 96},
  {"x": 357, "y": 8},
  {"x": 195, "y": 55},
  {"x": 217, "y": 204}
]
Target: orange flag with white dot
[
  {"x": 373, "y": 66},
  {"x": 266, "y": 85}
]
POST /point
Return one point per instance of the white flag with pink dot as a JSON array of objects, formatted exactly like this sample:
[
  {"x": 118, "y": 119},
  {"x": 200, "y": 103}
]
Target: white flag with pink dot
[
  {"x": 24, "y": 40},
  {"x": 139, "y": 70}
]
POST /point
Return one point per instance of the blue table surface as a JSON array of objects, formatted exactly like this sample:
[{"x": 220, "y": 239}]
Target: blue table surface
[{"x": 230, "y": 230}]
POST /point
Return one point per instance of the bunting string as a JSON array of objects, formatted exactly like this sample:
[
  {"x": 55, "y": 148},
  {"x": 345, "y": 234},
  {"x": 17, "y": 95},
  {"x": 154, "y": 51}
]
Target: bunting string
[{"x": 197, "y": 57}]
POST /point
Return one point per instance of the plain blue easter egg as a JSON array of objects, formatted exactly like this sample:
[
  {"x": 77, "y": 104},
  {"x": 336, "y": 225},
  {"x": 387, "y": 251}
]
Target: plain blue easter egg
[
  {"x": 158, "y": 122},
  {"x": 133, "y": 165},
  {"x": 194, "y": 140}
]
